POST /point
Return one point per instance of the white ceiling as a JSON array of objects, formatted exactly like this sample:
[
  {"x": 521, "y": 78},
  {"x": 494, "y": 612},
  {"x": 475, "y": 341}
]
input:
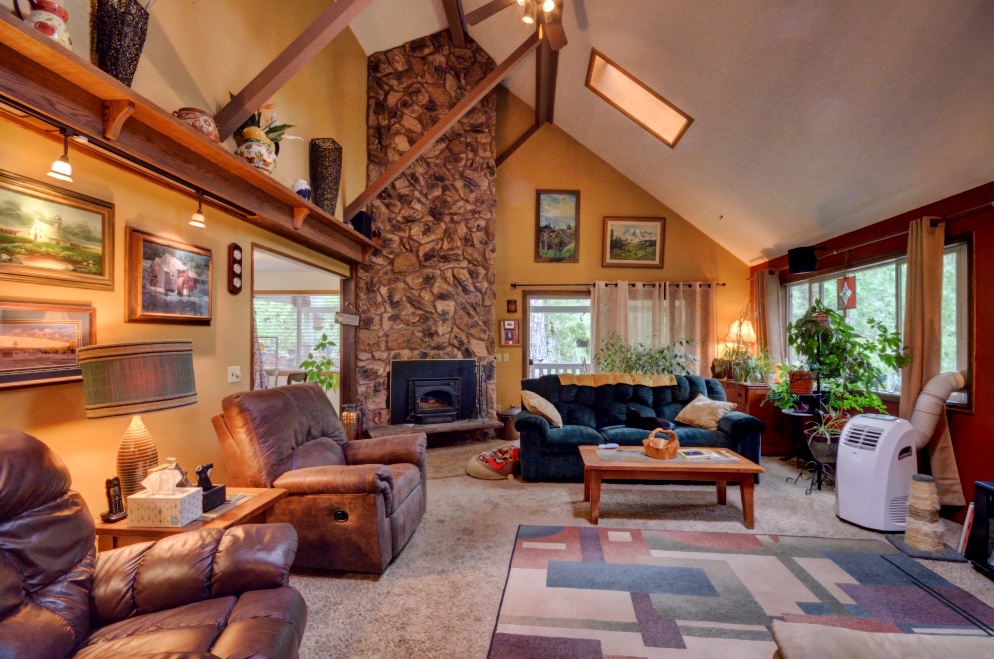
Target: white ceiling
[{"x": 811, "y": 117}]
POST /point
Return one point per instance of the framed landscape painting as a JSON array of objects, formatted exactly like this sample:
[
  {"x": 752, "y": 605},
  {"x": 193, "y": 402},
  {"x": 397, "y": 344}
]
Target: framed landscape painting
[
  {"x": 557, "y": 226},
  {"x": 39, "y": 342},
  {"x": 634, "y": 242},
  {"x": 168, "y": 281},
  {"x": 50, "y": 235}
]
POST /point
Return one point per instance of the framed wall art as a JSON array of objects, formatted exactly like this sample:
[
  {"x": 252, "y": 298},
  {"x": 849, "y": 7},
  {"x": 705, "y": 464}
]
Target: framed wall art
[
  {"x": 634, "y": 242},
  {"x": 50, "y": 235},
  {"x": 167, "y": 281},
  {"x": 557, "y": 226},
  {"x": 39, "y": 342},
  {"x": 510, "y": 334}
]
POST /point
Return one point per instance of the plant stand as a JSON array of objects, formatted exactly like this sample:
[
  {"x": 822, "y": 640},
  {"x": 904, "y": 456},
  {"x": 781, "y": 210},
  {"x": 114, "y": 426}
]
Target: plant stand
[{"x": 821, "y": 473}]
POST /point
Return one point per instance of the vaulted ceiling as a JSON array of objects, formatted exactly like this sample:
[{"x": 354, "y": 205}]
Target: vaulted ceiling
[{"x": 811, "y": 117}]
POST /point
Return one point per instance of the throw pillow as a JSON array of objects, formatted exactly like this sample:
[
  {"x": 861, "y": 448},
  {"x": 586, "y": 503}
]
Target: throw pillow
[
  {"x": 635, "y": 420},
  {"x": 702, "y": 412},
  {"x": 538, "y": 405}
]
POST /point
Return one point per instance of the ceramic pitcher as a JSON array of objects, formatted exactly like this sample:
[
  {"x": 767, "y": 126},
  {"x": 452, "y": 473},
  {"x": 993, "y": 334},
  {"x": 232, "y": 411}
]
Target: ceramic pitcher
[{"x": 49, "y": 18}]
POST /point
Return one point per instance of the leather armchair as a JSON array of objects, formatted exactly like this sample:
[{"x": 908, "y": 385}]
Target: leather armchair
[
  {"x": 205, "y": 594},
  {"x": 354, "y": 504}
]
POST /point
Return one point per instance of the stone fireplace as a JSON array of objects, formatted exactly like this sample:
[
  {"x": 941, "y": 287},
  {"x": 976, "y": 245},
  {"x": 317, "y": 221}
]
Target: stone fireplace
[
  {"x": 428, "y": 292},
  {"x": 432, "y": 390}
]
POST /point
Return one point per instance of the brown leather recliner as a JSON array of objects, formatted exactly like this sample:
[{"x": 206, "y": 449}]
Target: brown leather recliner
[
  {"x": 204, "y": 594},
  {"x": 354, "y": 504}
]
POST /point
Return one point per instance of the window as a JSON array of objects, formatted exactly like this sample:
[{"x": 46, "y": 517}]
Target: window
[
  {"x": 558, "y": 335},
  {"x": 289, "y": 325},
  {"x": 880, "y": 291}
]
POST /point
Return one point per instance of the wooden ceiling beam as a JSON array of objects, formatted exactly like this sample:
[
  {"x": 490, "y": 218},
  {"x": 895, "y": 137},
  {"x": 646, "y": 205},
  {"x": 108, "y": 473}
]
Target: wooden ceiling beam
[
  {"x": 453, "y": 14},
  {"x": 546, "y": 72},
  {"x": 552, "y": 27},
  {"x": 302, "y": 50},
  {"x": 431, "y": 136},
  {"x": 509, "y": 151},
  {"x": 486, "y": 11}
]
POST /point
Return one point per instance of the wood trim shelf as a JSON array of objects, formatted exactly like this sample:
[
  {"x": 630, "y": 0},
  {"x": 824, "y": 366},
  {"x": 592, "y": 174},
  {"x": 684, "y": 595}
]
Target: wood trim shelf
[{"x": 58, "y": 84}]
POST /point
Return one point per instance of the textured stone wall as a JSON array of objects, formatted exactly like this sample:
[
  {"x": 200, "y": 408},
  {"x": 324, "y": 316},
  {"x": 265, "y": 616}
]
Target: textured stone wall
[{"x": 429, "y": 292}]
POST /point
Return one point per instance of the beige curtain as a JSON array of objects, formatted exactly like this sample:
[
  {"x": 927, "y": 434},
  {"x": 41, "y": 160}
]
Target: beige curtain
[
  {"x": 769, "y": 314},
  {"x": 922, "y": 334},
  {"x": 657, "y": 314}
]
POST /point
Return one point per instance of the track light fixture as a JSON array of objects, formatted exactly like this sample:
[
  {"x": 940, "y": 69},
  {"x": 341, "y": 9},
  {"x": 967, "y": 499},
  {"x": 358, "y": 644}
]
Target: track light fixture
[
  {"x": 531, "y": 10},
  {"x": 61, "y": 169},
  {"x": 197, "y": 220},
  {"x": 548, "y": 6}
]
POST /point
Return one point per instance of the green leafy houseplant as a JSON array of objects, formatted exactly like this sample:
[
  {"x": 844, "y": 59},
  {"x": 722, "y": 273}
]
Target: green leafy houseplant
[
  {"x": 850, "y": 365},
  {"x": 319, "y": 369},
  {"x": 616, "y": 356},
  {"x": 739, "y": 364}
]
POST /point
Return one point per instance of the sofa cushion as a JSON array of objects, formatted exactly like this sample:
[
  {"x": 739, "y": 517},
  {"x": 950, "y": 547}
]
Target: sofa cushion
[
  {"x": 542, "y": 407},
  {"x": 624, "y": 436},
  {"x": 317, "y": 453},
  {"x": 690, "y": 436},
  {"x": 611, "y": 414},
  {"x": 575, "y": 414},
  {"x": 704, "y": 412},
  {"x": 568, "y": 438}
]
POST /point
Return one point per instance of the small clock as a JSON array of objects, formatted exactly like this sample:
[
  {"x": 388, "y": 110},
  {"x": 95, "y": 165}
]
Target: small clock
[{"x": 235, "y": 273}]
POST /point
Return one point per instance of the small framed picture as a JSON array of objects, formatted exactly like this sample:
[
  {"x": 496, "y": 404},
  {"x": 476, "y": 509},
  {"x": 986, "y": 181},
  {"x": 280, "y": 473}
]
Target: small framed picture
[
  {"x": 167, "y": 281},
  {"x": 39, "y": 342},
  {"x": 509, "y": 333},
  {"x": 634, "y": 242},
  {"x": 512, "y": 306}
]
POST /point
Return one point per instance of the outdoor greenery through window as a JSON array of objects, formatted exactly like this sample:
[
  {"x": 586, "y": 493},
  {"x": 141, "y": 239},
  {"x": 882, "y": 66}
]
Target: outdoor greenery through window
[
  {"x": 558, "y": 335},
  {"x": 289, "y": 325},
  {"x": 880, "y": 293}
]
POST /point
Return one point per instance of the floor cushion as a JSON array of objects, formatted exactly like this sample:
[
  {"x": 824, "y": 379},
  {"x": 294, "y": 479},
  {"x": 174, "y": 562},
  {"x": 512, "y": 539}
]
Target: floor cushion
[{"x": 495, "y": 465}]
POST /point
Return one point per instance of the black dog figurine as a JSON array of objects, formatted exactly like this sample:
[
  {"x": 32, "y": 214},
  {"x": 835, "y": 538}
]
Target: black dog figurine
[{"x": 204, "y": 476}]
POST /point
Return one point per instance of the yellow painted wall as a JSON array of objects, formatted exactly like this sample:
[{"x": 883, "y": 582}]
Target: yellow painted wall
[
  {"x": 194, "y": 54},
  {"x": 551, "y": 159}
]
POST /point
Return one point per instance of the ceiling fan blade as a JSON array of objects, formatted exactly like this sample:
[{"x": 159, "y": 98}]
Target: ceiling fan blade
[
  {"x": 556, "y": 35},
  {"x": 486, "y": 11}
]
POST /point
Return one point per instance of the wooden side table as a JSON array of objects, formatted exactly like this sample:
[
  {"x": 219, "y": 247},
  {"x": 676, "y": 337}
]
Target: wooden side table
[
  {"x": 749, "y": 399},
  {"x": 251, "y": 511}
]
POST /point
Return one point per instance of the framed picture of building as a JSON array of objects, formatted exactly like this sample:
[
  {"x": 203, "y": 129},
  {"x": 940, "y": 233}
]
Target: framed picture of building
[
  {"x": 39, "y": 342},
  {"x": 510, "y": 334},
  {"x": 557, "y": 226},
  {"x": 634, "y": 242},
  {"x": 50, "y": 235},
  {"x": 167, "y": 281}
]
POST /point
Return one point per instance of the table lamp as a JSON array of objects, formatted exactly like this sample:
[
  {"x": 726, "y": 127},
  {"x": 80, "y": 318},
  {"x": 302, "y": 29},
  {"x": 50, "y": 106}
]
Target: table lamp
[{"x": 131, "y": 379}]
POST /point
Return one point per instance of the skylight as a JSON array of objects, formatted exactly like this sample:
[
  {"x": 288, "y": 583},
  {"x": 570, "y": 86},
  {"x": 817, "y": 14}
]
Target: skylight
[{"x": 633, "y": 98}]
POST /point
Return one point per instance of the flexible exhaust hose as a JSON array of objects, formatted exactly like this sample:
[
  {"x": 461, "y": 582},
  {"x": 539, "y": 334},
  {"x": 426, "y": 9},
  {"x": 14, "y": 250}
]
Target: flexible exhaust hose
[{"x": 931, "y": 403}]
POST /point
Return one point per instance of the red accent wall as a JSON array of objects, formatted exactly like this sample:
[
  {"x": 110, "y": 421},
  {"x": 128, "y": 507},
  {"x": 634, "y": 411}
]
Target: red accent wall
[{"x": 973, "y": 434}]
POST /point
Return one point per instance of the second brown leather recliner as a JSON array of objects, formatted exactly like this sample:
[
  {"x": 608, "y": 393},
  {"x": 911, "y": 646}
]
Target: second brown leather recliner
[{"x": 354, "y": 504}]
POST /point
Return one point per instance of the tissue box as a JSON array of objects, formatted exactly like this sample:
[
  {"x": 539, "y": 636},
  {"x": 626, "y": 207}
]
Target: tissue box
[{"x": 179, "y": 509}]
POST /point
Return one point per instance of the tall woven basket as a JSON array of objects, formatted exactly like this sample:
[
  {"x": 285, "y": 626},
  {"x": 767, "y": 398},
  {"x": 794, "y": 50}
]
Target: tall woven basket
[
  {"x": 326, "y": 172},
  {"x": 121, "y": 28}
]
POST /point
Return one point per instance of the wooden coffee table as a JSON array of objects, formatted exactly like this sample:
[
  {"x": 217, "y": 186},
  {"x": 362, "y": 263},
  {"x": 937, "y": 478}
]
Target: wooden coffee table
[
  {"x": 640, "y": 467},
  {"x": 249, "y": 511}
]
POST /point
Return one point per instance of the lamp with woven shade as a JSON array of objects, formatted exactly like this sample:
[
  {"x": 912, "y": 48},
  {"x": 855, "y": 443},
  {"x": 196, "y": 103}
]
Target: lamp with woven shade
[{"x": 131, "y": 379}]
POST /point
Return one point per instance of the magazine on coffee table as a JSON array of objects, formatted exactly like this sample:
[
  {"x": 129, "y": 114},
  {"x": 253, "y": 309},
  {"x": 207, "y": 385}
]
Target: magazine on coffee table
[{"x": 707, "y": 455}]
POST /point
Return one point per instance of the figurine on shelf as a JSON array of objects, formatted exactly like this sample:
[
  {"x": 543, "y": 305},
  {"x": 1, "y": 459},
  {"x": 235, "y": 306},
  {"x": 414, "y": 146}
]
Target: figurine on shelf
[
  {"x": 204, "y": 476},
  {"x": 115, "y": 502}
]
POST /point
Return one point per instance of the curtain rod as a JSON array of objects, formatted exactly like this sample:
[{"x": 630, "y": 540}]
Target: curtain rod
[{"x": 631, "y": 285}]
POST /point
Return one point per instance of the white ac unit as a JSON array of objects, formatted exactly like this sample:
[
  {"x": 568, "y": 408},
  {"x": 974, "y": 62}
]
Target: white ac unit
[{"x": 873, "y": 471}]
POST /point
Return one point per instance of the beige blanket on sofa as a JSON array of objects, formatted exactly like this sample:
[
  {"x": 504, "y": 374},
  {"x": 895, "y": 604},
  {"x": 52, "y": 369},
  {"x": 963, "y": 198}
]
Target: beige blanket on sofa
[{"x": 597, "y": 379}]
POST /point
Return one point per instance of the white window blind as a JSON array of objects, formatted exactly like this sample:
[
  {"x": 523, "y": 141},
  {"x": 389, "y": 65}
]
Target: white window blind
[{"x": 288, "y": 326}]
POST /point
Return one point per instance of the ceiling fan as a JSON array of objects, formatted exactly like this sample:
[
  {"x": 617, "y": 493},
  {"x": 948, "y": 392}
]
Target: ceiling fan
[{"x": 548, "y": 14}]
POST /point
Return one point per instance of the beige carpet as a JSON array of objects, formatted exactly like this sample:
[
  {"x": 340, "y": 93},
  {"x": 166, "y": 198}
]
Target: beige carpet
[{"x": 440, "y": 597}]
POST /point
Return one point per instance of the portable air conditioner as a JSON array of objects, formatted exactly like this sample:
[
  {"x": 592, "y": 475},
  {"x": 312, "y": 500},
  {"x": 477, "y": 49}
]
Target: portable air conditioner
[{"x": 873, "y": 471}]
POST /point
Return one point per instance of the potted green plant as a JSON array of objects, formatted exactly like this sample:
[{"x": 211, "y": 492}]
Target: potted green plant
[
  {"x": 847, "y": 365},
  {"x": 616, "y": 356},
  {"x": 319, "y": 369},
  {"x": 823, "y": 435}
]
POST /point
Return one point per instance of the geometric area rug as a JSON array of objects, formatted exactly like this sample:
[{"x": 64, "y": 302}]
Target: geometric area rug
[{"x": 597, "y": 593}]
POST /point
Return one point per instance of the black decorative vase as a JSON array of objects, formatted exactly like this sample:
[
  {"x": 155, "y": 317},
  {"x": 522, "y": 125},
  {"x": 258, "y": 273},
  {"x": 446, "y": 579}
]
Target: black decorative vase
[
  {"x": 326, "y": 172},
  {"x": 121, "y": 28}
]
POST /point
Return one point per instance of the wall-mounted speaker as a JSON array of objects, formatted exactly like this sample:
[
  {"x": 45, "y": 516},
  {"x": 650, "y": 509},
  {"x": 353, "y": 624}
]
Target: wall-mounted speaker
[{"x": 802, "y": 259}]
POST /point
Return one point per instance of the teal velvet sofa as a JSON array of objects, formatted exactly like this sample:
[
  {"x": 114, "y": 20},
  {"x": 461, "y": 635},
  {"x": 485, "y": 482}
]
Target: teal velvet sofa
[{"x": 594, "y": 415}]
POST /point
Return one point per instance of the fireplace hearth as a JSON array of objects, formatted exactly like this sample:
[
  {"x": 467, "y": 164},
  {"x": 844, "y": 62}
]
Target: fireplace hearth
[{"x": 426, "y": 391}]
